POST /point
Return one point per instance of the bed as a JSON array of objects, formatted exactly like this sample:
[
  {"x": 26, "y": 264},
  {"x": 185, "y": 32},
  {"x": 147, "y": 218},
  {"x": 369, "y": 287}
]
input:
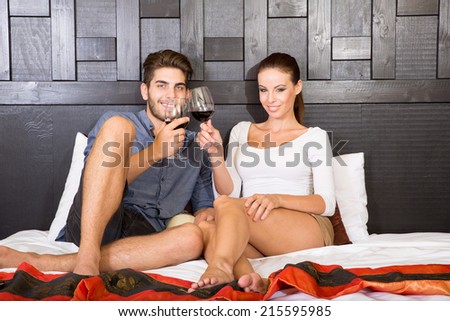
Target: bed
[{"x": 361, "y": 266}]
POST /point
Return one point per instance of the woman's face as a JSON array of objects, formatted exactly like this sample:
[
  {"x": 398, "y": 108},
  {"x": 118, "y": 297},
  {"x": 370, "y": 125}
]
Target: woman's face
[{"x": 277, "y": 92}]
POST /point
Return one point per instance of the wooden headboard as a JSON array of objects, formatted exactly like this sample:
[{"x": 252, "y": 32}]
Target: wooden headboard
[{"x": 406, "y": 147}]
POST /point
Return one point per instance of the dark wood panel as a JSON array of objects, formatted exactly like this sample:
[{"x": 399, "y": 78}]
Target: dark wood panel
[
  {"x": 319, "y": 39},
  {"x": 63, "y": 35},
  {"x": 128, "y": 54},
  {"x": 224, "y": 70},
  {"x": 348, "y": 70},
  {"x": 293, "y": 41},
  {"x": 93, "y": 49},
  {"x": 35, "y": 8},
  {"x": 31, "y": 55},
  {"x": 97, "y": 71},
  {"x": 287, "y": 8},
  {"x": 407, "y": 171},
  {"x": 192, "y": 34},
  {"x": 4, "y": 41},
  {"x": 228, "y": 92},
  {"x": 27, "y": 168},
  {"x": 159, "y": 34},
  {"x": 418, "y": 7},
  {"x": 383, "y": 39},
  {"x": 444, "y": 40},
  {"x": 224, "y": 18},
  {"x": 224, "y": 49},
  {"x": 351, "y": 18},
  {"x": 160, "y": 8},
  {"x": 255, "y": 40},
  {"x": 351, "y": 48},
  {"x": 96, "y": 18},
  {"x": 416, "y": 47}
]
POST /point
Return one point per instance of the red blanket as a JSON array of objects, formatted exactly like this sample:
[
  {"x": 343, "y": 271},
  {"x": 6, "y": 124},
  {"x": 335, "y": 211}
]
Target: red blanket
[{"x": 321, "y": 281}]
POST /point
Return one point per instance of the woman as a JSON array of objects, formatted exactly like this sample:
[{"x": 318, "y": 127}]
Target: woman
[{"x": 285, "y": 172}]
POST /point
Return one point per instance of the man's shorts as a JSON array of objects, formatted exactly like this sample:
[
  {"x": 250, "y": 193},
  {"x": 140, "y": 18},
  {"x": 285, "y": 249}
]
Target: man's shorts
[{"x": 124, "y": 222}]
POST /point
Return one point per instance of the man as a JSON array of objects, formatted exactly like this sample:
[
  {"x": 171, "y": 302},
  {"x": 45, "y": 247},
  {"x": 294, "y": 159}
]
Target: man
[{"x": 130, "y": 189}]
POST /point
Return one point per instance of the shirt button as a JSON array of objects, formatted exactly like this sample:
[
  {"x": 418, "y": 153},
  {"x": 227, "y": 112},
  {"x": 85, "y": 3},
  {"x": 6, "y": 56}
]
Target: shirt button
[{"x": 162, "y": 179}]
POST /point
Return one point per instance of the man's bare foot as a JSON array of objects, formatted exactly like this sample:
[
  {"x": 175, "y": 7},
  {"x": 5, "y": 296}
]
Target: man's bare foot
[
  {"x": 212, "y": 276},
  {"x": 253, "y": 282},
  {"x": 10, "y": 258},
  {"x": 87, "y": 265}
]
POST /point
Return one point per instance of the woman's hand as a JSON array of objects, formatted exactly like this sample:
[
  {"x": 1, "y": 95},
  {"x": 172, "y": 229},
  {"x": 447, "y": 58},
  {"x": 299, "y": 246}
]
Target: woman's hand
[
  {"x": 260, "y": 205},
  {"x": 209, "y": 139}
]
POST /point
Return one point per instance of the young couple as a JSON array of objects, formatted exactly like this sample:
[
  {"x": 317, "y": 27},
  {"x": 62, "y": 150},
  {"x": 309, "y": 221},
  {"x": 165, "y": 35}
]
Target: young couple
[{"x": 119, "y": 215}]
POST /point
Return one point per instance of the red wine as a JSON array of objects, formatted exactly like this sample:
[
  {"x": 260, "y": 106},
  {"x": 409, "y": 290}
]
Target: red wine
[{"x": 202, "y": 115}]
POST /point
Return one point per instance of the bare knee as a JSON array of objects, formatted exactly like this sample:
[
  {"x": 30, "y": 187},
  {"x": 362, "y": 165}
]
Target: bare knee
[
  {"x": 118, "y": 128},
  {"x": 191, "y": 239}
]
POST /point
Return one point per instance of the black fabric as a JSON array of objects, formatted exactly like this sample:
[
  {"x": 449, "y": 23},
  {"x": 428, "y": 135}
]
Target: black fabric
[{"x": 125, "y": 222}]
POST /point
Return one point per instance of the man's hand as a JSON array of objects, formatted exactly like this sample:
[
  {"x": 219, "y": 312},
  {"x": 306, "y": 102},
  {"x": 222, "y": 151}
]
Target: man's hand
[
  {"x": 169, "y": 139},
  {"x": 205, "y": 214}
]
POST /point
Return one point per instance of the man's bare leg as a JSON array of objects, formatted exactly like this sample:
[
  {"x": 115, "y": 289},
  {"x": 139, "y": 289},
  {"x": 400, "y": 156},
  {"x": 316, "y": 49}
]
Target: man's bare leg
[
  {"x": 103, "y": 184},
  {"x": 169, "y": 247}
]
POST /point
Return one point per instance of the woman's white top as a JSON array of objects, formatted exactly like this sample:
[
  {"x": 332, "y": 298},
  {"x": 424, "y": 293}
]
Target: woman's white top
[{"x": 302, "y": 166}]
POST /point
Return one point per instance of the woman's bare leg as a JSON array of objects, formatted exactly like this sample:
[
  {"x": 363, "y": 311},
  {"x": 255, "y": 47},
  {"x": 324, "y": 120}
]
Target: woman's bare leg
[{"x": 282, "y": 232}]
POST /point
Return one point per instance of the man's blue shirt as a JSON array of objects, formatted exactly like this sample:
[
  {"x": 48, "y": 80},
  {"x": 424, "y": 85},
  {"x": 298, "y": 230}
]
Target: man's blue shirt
[{"x": 165, "y": 188}]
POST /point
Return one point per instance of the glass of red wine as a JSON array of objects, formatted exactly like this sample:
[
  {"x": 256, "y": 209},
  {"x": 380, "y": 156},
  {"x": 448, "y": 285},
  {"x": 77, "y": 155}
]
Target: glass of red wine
[
  {"x": 175, "y": 108},
  {"x": 201, "y": 104}
]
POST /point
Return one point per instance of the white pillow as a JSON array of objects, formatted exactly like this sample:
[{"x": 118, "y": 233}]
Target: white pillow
[
  {"x": 351, "y": 194},
  {"x": 71, "y": 187}
]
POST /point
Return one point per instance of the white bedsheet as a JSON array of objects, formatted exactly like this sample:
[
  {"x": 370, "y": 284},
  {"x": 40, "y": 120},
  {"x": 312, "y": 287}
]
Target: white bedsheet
[{"x": 377, "y": 251}]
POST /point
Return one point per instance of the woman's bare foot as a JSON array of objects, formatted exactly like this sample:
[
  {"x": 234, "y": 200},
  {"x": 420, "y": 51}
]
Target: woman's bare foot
[
  {"x": 212, "y": 276},
  {"x": 253, "y": 282}
]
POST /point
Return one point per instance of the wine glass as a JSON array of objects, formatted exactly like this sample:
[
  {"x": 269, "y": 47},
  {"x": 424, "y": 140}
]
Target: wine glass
[
  {"x": 201, "y": 104},
  {"x": 175, "y": 108}
]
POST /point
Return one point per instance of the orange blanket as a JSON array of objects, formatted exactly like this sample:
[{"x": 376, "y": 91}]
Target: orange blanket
[{"x": 321, "y": 281}]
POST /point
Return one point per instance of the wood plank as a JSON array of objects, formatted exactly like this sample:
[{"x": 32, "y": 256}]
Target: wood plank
[
  {"x": 418, "y": 7},
  {"x": 96, "y": 18},
  {"x": 97, "y": 71},
  {"x": 416, "y": 56},
  {"x": 350, "y": 70},
  {"x": 34, "y": 8},
  {"x": 351, "y": 18},
  {"x": 293, "y": 43},
  {"x": 224, "y": 70},
  {"x": 383, "y": 39},
  {"x": 319, "y": 39},
  {"x": 92, "y": 49},
  {"x": 192, "y": 34},
  {"x": 159, "y": 34},
  {"x": 160, "y": 8},
  {"x": 31, "y": 57},
  {"x": 255, "y": 39},
  {"x": 224, "y": 18},
  {"x": 227, "y": 92},
  {"x": 4, "y": 41},
  {"x": 63, "y": 39},
  {"x": 224, "y": 49},
  {"x": 444, "y": 40},
  {"x": 351, "y": 48},
  {"x": 287, "y": 8},
  {"x": 128, "y": 46}
]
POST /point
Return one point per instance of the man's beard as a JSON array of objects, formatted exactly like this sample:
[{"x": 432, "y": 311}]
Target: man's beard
[{"x": 154, "y": 110}]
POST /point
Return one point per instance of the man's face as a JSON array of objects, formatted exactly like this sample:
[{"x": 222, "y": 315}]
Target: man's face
[{"x": 166, "y": 83}]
